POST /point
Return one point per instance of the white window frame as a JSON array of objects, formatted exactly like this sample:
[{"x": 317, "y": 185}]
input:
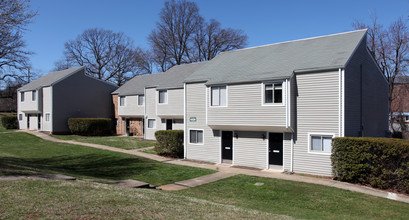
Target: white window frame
[
  {"x": 195, "y": 129},
  {"x": 211, "y": 96},
  {"x": 166, "y": 97},
  {"x": 22, "y": 96},
  {"x": 124, "y": 98},
  {"x": 143, "y": 100},
  {"x": 263, "y": 93},
  {"x": 33, "y": 95},
  {"x": 310, "y": 135},
  {"x": 154, "y": 124},
  {"x": 20, "y": 117},
  {"x": 47, "y": 117}
]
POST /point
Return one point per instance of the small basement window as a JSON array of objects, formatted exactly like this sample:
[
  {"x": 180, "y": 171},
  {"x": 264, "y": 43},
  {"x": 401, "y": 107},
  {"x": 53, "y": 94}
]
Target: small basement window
[
  {"x": 320, "y": 143},
  {"x": 273, "y": 93},
  {"x": 122, "y": 101},
  {"x": 196, "y": 136}
]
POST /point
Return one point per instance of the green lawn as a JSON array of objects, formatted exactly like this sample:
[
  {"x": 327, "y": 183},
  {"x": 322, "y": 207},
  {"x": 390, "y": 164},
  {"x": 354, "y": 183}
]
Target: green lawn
[
  {"x": 127, "y": 143},
  {"x": 22, "y": 153},
  {"x": 298, "y": 200},
  {"x": 32, "y": 199}
]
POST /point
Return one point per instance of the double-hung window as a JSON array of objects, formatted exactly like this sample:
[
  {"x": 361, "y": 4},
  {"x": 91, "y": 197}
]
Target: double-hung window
[
  {"x": 273, "y": 93},
  {"x": 219, "y": 96},
  {"x": 320, "y": 143},
  {"x": 140, "y": 99},
  {"x": 196, "y": 137},
  {"x": 122, "y": 101},
  {"x": 33, "y": 95},
  {"x": 47, "y": 116},
  {"x": 163, "y": 96},
  {"x": 20, "y": 117},
  {"x": 22, "y": 96},
  {"x": 151, "y": 123}
]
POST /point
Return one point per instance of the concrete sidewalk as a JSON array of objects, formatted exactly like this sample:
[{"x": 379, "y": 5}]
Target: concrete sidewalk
[{"x": 227, "y": 170}]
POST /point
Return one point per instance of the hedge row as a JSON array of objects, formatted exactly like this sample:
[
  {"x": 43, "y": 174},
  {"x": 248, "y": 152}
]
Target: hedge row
[
  {"x": 378, "y": 162},
  {"x": 90, "y": 126},
  {"x": 9, "y": 121},
  {"x": 169, "y": 143}
]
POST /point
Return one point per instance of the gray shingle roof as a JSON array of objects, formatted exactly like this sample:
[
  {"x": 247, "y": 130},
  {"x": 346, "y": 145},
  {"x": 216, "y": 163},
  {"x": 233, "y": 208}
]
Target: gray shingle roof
[
  {"x": 277, "y": 61},
  {"x": 49, "y": 79},
  {"x": 171, "y": 79}
]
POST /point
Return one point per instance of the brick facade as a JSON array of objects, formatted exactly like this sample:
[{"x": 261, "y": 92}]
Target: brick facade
[{"x": 135, "y": 124}]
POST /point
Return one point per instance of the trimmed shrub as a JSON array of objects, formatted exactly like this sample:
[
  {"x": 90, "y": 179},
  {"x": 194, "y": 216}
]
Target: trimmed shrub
[
  {"x": 378, "y": 162},
  {"x": 9, "y": 121},
  {"x": 169, "y": 143},
  {"x": 90, "y": 126}
]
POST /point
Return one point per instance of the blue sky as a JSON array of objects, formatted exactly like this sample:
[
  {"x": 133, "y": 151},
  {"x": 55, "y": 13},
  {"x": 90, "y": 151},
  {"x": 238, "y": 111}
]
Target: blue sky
[{"x": 264, "y": 21}]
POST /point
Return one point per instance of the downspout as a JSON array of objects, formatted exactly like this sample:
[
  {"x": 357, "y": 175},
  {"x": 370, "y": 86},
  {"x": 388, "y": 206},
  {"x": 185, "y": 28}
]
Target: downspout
[{"x": 184, "y": 123}]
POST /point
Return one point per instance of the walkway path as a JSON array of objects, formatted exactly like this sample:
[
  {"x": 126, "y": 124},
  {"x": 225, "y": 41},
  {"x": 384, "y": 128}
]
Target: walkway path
[{"x": 227, "y": 171}]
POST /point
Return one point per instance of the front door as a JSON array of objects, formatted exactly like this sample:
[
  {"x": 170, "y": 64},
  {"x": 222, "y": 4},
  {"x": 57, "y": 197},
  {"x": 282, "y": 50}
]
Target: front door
[
  {"x": 28, "y": 122},
  {"x": 227, "y": 146},
  {"x": 275, "y": 149},
  {"x": 169, "y": 124},
  {"x": 39, "y": 122}
]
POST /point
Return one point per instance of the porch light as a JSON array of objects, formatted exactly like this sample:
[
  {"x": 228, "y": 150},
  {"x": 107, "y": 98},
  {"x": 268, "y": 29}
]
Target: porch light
[
  {"x": 236, "y": 135},
  {"x": 263, "y": 136}
]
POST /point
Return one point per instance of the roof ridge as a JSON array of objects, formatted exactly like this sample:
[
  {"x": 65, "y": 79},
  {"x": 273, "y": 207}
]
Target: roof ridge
[{"x": 302, "y": 39}]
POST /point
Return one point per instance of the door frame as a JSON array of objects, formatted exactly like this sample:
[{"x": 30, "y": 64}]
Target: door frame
[
  {"x": 268, "y": 153},
  {"x": 221, "y": 146}
]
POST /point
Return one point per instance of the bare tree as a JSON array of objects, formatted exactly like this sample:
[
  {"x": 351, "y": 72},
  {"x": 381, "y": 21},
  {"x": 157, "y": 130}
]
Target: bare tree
[
  {"x": 15, "y": 15},
  {"x": 183, "y": 36},
  {"x": 390, "y": 49},
  {"x": 105, "y": 54},
  {"x": 211, "y": 39}
]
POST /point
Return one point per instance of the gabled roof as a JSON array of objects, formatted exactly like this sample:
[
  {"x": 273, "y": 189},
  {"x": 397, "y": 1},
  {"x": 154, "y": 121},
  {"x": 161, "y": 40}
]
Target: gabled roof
[
  {"x": 171, "y": 79},
  {"x": 280, "y": 60},
  {"x": 49, "y": 79},
  {"x": 402, "y": 79}
]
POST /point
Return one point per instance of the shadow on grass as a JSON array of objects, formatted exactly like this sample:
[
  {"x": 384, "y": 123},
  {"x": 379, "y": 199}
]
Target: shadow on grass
[{"x": 90, "y": 165}]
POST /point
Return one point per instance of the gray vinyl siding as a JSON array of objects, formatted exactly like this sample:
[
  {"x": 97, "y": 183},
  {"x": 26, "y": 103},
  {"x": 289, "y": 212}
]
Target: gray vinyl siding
[
  {"x": 250, "y": 150},
  {"x": 177, "y": 124},
  {"x": 287, "y": 151},
  {"x": 210, "y": 150},
  {"x": 244, "y": 107},
  {"x": 150, "y": 113},
  {"x": 131, "y": 107},
  {"x": 317, "y": 112},
  {"x": 374, "y": 96},
  {"x": 174, "y": 107},
  {"x": 47, "y": 97},
  {"x": 80, "y": 96}
]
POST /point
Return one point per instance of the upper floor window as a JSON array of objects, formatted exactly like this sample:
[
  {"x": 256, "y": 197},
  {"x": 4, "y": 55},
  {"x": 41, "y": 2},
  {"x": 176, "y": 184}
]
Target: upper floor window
[
  {"x": 219, "y": 96},
  {"x": 22, "y": 96},
  {"x": 273, "y": 93},
  {"x": 33, "y": 95},
  {"x": 122, "y": 101},
  {"x": 163, "y": 96},
  {"x": 140, "y": 99}
]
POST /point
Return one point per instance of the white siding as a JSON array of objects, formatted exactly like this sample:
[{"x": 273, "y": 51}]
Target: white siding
[
  {"x": 287, "y": 152},
  {"x": 244, "y": 107},
  {"x": 174, "y": 107},
  {"x": 47, "y": 108},
  {"x": 150, "y": 102},
  {"x": 250, "y": 150},
  {"x": 210, "y": 150},
  {"x": 317, "y": 112},
  {"x": 22, "y": 124},
  {"x": 131, "y": 107},
  {"x": 28, "y": 105}
]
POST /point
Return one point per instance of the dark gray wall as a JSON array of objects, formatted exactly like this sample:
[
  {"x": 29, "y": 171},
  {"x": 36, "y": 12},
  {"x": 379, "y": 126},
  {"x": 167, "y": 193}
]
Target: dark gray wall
[
  {"x": 80, "y": 96},
  {"x": 373, "y": 113}
]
